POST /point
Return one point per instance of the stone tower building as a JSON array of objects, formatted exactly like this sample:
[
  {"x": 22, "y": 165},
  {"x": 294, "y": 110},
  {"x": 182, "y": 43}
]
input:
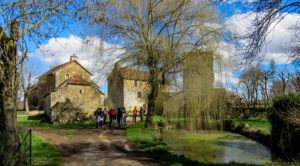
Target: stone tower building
[{"x": 197, "y": 90}]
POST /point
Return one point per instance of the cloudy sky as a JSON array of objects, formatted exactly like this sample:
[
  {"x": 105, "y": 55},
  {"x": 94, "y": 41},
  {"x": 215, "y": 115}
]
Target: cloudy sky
[{"x": 77, "y": 40}]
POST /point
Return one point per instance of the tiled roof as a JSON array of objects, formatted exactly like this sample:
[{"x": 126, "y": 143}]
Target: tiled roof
[
  {"x": 77, "y": 80},
  {"x": 54, "y": 69},
  {"x": 132, "y": 74}
]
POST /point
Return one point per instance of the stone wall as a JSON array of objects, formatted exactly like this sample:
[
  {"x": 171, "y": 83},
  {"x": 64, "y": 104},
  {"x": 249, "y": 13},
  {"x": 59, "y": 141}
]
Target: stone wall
[
  {"x": 33, "y": 98},
  {"x": 135, "y": 94},
  {"x": 86, "y": 98},
  {"x": 115, "y": 92},
  {"x": 70, "y": 70}
]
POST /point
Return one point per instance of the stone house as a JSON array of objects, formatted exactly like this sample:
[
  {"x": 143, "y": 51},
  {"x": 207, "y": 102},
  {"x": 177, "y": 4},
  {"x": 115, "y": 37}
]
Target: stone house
[
  {"x": 69, "y": 80},
  {"x": 129, "y": 88}
]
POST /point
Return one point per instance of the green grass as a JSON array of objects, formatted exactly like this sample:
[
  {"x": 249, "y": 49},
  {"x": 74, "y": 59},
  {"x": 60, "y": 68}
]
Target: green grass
[
  {"x": 37, "y": 121},
  {"x": 143, "y": 137},
  {"x": 43, "y": 153},
  {"x": 257, "y": 124}
]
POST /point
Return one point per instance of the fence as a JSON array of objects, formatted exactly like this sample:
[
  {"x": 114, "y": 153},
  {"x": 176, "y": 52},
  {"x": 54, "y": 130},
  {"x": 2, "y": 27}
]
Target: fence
[{"x": 25, "y": 146}]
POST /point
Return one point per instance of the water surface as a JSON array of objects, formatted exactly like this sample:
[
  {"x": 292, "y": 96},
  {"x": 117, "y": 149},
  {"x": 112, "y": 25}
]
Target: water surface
[{"x": 217, "y": 147}]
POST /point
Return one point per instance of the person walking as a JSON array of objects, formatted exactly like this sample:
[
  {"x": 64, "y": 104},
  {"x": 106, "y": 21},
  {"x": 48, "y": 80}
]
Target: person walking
[
  {"x": 110, "y": 114},
  {"x": 114, "y": 116},
  {"x": 142, "y": 112},
  {"x": 101, "y": 114},
  {"x": 104, "y": 115},
  {"x": 96, "y": 113},
  {"x": 119, "y": 116},
  {"x": 124, "y": 116},
  {"x": 134, "y": 115},
  {"x": 99, "y": 118}
]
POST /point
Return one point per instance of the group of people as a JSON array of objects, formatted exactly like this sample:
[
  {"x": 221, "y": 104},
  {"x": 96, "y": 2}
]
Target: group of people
[{"x": 118, "y": 117}]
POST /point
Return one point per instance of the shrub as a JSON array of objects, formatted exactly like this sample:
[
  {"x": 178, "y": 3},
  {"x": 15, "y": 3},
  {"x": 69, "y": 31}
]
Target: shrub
[
  {"x": 285, "y": 120},
  {"x": 66, "y": 113}
]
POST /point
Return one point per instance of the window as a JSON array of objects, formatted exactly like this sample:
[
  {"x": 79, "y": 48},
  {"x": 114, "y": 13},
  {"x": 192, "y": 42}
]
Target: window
[
  {"x": 80, "y": 91},
  {"x": 135, "y": 82},
  {"x": 139, "y": 94},
  {"x": 68, "y": 75}
]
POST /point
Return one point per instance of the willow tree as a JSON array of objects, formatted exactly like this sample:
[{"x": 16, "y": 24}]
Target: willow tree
[{"x": 155, "y": 34}]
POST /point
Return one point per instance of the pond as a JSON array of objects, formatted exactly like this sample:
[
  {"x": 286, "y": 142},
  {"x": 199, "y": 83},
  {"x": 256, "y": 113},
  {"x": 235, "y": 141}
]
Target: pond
[{"x": 217, "y": 147}]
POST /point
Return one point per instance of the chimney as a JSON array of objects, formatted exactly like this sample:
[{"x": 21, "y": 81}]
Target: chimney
[{"x": 73, "y": 57}]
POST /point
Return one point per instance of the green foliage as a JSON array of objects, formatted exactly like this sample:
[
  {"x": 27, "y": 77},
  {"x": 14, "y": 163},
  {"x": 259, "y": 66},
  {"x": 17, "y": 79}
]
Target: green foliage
[
  {"x": 44, "y": 153},
  {"x": 66, "y": 113},
  {"x": 285, "y": 120}
]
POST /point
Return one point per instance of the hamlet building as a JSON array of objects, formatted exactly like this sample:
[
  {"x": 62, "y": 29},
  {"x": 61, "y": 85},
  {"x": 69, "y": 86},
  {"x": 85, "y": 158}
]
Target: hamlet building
[
  {"x": 129, "y": 88},
  {"x": 69, "y": 80}
]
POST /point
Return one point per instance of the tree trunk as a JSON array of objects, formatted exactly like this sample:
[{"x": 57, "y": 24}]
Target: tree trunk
[
  {"x": 8, "y": 96},
  {"x": 26, "y": 104},
  {"x": 154, "y": 88}
]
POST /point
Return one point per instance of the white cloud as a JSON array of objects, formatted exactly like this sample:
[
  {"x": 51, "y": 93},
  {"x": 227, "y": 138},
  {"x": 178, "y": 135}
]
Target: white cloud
[
  {"x": 277, "y": 40},
  {"x": 93, "y": 53}
]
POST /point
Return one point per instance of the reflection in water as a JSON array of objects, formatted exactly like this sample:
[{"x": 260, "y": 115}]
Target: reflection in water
[{"x": 217, "y": 147}]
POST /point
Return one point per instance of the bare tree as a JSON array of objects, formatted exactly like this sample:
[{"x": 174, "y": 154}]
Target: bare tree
[
  {"x": 37, "y": 20},
  {"x": 249, "y": 81},
  {"x": 284, "y": 76},
  {"x": 156, "y": 33},
  {"x": 267, "y": 74},
  {"x": 294, "y": 47},
  {"x": 295, "y": 82},
  {"x": 268, "y": 14},
  {"x": 30, "y": 73}
]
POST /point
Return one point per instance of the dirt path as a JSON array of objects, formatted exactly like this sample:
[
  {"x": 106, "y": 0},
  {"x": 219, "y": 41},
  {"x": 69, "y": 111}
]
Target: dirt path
[{"x": 93, "y": 147}]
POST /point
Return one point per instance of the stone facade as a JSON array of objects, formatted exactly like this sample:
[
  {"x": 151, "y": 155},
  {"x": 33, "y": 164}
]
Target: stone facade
[
  {"x": 69, "y": 80},
  {"x": 128, "y": 88}
]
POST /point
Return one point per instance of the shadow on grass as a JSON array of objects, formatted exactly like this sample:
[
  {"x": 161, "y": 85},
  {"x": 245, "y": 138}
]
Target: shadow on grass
[
  {"x": 41, "y": 121},
  {"x": 44, "y": 153}
]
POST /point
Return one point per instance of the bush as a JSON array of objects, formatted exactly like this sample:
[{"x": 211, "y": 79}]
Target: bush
[
  {"x": 285, "y": 120},
  {"x": 66, "y": 113}
]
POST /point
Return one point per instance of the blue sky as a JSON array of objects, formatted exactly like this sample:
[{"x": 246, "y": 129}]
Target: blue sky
[{"x": 59, "y": 48}]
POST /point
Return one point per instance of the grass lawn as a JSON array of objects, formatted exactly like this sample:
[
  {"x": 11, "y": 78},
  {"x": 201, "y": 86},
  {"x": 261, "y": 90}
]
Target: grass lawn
[
  {"x": 257, "y": 124},
  {"x": 143, "y": 137},
  {"x": 44, "y": 153},
  {"x": 36, "y": 121}
]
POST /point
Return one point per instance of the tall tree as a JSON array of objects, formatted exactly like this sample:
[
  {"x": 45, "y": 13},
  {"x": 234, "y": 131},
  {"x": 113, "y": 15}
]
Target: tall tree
[
  {"x": 267, "y": 74},
  {"x": 156, "y": 33},
  {"x": 8, "y": 95},
  {"x": 284, "y": 76},
  {"x": 30, "y": 72},
  {"x": 38, "y": 20},
  {"x": 249, "y": 80}
]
